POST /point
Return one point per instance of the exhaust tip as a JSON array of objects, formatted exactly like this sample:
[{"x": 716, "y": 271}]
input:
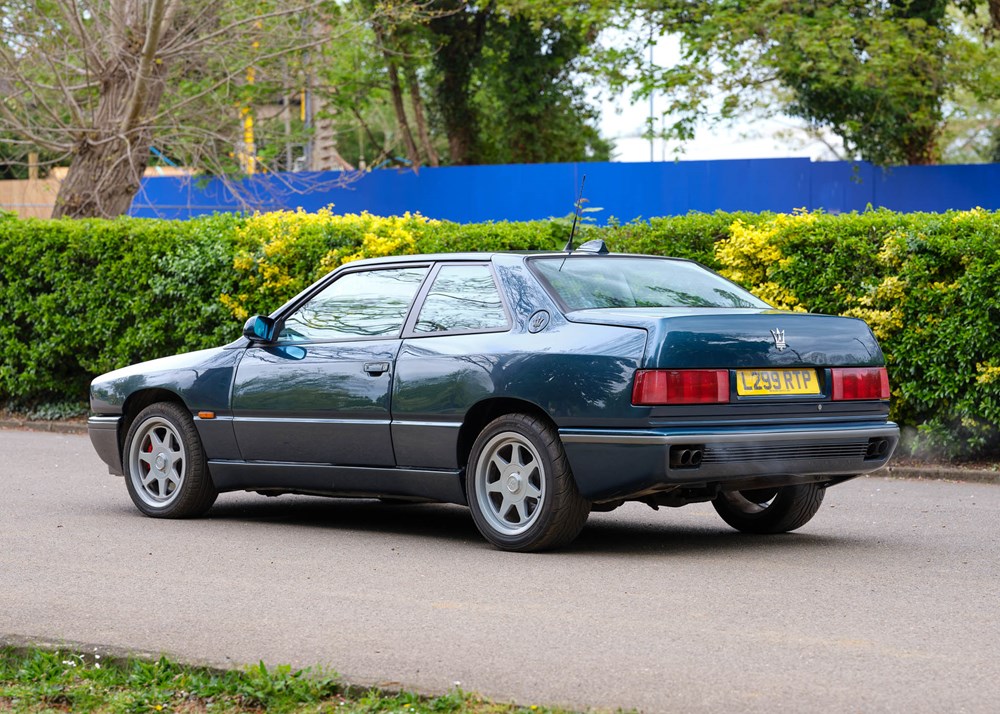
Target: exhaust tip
[
  {"x": 877, "y": 449},
  {"x": 686, "y": 456}
]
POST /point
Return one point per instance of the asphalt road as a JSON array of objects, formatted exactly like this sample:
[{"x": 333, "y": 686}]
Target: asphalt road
[{"x": 887, "y": 601}]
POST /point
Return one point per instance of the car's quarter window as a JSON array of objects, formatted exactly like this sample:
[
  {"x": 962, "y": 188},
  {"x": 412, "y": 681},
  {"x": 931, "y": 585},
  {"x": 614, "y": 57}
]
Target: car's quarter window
[
  {"x": 587, "y": 282},
  {"x": 462, "y": 298},
  {"x": 370, "y": 303}
]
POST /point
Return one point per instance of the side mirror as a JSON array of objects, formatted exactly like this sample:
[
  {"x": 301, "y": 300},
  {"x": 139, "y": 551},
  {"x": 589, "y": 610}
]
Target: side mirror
[{"x": 259, "y": 329}]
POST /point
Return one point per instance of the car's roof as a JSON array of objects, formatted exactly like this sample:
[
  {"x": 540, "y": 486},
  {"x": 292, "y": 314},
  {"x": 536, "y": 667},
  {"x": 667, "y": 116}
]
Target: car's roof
[
  {"x": 469, "y": 256},
  {"x": 428, "y": 257}
]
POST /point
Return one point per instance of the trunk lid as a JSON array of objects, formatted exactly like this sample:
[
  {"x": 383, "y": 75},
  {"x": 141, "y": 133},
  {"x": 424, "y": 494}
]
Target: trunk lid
[{"x": 730, "y": 338}]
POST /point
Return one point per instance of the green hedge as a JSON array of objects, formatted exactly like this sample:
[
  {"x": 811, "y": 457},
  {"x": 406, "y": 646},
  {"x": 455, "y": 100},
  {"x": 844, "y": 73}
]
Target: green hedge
[{"x": 78, "y": 298}]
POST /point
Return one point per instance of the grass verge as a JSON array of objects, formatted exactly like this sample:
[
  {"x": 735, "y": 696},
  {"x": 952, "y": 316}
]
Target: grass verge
[{"x": 34, "y": 679}]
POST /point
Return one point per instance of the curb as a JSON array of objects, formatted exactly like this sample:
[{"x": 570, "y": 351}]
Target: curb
[
  {"x": 940, "y": 473},
  {"x": 57, "y": 427},
  {"x": 930, "y": 473}
]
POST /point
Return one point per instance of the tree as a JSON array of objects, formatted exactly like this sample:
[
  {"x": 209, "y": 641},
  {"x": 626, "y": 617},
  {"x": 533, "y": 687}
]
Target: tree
[
  {"x": 493, "y": 82},
  {"x": 532, "y": 91},
  {"x": 460, "y": 32},
  {"x": 875, "y": 72},
  {"x": 509, "y": 84},
  {"x": 102, "y": 83}
]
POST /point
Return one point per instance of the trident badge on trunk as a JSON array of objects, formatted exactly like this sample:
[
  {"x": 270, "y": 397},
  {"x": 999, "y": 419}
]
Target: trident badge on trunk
[{"x": 779, "y": 339}]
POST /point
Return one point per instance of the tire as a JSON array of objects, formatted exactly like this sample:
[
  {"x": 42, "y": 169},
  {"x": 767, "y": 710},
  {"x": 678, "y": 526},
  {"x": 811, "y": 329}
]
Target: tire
[
  {"x": 770, "y": 510},
  {"x": 165, "y": 467},
  {"x": 520, "y": 488}
]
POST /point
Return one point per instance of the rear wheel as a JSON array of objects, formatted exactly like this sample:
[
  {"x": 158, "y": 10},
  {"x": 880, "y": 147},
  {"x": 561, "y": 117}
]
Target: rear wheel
[
  {"x": 165, "y": 468},
  {"x": 520, "y": 487},
  {"x": 770, "y": 510}
]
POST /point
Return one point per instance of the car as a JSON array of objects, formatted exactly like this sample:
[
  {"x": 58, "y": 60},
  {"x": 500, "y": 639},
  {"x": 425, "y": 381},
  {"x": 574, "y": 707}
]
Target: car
[{"x": 533, "y": 388}]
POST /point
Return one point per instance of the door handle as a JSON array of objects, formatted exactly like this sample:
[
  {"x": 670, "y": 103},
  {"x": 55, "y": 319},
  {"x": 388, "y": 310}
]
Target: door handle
[{"x": 376, "y": 368}]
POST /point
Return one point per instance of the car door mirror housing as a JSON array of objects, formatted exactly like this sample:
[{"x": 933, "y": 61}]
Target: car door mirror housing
[{"x": 259, "y": 329}]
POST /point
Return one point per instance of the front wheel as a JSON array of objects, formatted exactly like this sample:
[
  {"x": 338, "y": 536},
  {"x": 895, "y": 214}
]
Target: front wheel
[
  {"x": 770, "y": 510},
  {"x": 165, "y": 467},
  {"x": 520, "y": 487}
]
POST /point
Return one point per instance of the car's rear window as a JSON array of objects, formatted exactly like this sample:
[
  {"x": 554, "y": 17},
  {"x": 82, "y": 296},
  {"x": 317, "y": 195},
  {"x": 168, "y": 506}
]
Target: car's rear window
[{"x": 588, "y": 282}]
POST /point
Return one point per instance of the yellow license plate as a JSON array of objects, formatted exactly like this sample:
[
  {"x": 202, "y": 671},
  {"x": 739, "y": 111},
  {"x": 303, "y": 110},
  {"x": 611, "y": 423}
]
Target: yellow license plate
[{"x": 753, "y": 382}]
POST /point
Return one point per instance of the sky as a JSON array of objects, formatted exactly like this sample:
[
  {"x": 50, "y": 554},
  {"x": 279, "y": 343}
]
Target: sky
[{"x": 624, "y": 122}]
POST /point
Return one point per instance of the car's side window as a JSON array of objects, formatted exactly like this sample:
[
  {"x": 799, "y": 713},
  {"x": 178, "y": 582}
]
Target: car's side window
[
  {"x": 463, "y": 298},
  {"x": 371, "y": 303}
]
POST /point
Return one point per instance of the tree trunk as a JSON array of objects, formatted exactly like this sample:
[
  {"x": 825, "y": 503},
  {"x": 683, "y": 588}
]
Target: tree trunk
[
  {"x": 102, "y": 181},
  {"x": 108, "y": 165},
  {"x": 461, "y": 34},
  {"x": 418, "y": 114},
  {"x": 461, "y": 120},
  {"x": 396, "y": 91},
  {"x": 111, "y": 156},
  {"x": 921, "y": 147}
]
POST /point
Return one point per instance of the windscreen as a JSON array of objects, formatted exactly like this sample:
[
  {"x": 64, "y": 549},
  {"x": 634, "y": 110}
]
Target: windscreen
[{"x": 588, "y": 282}]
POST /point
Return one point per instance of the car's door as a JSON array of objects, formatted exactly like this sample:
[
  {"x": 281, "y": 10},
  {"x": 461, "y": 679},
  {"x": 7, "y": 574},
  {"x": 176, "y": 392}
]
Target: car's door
[
  {"x": 320, "y": 393},
  {"x": 448, "y": 362}
]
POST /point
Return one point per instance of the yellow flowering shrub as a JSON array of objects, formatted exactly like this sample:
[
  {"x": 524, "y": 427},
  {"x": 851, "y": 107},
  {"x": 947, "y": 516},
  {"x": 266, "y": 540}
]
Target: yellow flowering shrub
[
  {"x": 987, "y": 373},
  {"x": 882, "y": 308},
  {"x": 281, "y": 253},
  {"x": 396, "y": 240},
  {"x": 881, "y": 304},
  {"x": 752, "y": 253}
]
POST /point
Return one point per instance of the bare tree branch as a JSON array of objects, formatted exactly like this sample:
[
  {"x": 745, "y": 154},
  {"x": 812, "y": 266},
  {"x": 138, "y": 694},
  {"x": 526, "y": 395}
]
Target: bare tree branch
[
  {"x": 91, "y": 57},
  {"x": 34, "y": 137},
  {"x": 106, "y": 81},
  {"x": 67, "y": 93},
  {"x": 170, "y": 50},
  {"x": 233, "y": 72},
  {"x": 154, "y": 30}
]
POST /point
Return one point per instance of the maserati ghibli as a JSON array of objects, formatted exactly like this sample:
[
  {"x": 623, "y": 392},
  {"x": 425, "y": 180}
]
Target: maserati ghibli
[{"x": 533, "y": 388}]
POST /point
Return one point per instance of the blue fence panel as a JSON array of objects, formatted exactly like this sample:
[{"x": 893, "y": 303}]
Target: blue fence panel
[
  {"x": 626, "y": 191},
  {"x": 938, "y": 188},
  {"x": 841, "y": 187}
]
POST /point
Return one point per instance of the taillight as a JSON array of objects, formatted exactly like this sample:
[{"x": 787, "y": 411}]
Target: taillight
[
  {"x": 680, "y": 386},
  {"x": 859, "y": 383}
]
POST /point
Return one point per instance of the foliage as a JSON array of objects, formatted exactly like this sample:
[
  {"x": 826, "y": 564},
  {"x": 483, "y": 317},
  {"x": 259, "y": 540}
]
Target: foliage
[
  {"x": 751, "y": 257},
  {"x": 877, "y": 74},
  {"x": 34, "y": 679},
  {"x": 532, "y": 107},
  {"x": 81, "y": 298},
  {"x": 972, "y": 109},
  {"x": 55, "y": 411},
  {"x": 486, "y": 82},
  {"x": 692, "y": 236},
  {"x": 994, "y": 146},
  {"x": 279, "y": 254},
  {"x": 16, "y": 159}
]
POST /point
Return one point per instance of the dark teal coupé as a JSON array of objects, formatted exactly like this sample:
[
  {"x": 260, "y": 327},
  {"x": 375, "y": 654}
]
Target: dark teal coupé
[{"x": 533, "y": 388}]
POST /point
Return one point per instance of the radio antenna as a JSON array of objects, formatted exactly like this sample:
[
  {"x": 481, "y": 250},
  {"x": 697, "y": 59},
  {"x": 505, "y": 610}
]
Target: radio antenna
[{"x": 576, "y": 216}]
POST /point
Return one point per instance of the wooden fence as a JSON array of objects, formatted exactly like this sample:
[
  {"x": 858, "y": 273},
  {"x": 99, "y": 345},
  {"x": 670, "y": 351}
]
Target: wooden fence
[{"x": 29, "y": 198}]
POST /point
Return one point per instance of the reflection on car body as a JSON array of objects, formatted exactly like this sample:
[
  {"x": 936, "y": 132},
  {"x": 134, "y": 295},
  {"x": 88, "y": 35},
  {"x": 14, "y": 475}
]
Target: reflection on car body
[{"x": 533, "y": 388}]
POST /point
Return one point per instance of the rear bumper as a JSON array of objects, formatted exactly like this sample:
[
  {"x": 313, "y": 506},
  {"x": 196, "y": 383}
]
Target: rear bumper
[
  {"x": 103, "y": 432},
  {"x": 618, "y": 463}
]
